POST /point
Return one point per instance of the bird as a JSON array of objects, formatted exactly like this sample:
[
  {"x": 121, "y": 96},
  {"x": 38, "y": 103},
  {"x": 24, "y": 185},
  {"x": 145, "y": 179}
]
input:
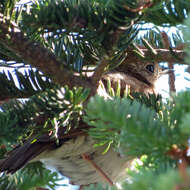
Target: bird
[
  {"x": 138, "y": 77},
  {"x": 76, "y": 157}
]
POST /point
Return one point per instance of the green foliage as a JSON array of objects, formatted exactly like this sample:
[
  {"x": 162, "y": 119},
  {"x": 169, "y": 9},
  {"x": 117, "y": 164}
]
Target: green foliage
[
  {"x": 136, "y": 130},
  {"x": 72, "y": 30},
  {"x": 186, "y": 35},
  {"x": 36, "y": 114},
  {"x": 27, "y": 83},
  {"x": 55, "y": 15},
  {"x": 152, "y": 101},
  {"x": 8, "y": 55},
  {"x": 117, "y": 120},
  {"x": 122, "y": 122},
  {"x": 180, "y": 107},
  {"x": 31, "y": 177},
  {"x": 147, "y": 180},
  {"x": 8, "y": 6},
  {"x": 80, "y": 33},
  {"x": 9, "y": 130},
  {"x": 169, "y": 13}
]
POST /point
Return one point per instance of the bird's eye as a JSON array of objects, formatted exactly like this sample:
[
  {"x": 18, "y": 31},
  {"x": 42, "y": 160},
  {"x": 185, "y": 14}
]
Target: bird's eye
[{"x": 150, "y": 68}]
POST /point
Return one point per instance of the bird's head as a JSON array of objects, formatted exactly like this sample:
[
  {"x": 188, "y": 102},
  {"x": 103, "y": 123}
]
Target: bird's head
[
  {"x": 139, "y": 76},
  {"x": 148, "y": 73}
]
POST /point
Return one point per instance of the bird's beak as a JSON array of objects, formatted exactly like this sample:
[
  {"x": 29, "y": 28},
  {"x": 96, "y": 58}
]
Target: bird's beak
[{"x": 166, "y": 71}]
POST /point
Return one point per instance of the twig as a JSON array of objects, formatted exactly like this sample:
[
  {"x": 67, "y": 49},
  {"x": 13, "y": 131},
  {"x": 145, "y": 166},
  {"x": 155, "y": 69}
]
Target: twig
[
  {"x": 98, "y": 169},
  {"x": 171, "y": 79},
  {"x": 163, "y": 55},
  {"x": 181, "y": 156},
  {"x": 182, "y": 167},
  {"x": 98, "y": 74}
]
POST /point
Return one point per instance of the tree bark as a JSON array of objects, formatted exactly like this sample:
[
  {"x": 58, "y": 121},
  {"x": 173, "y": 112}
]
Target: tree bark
[{"x": 37, "y": 56}]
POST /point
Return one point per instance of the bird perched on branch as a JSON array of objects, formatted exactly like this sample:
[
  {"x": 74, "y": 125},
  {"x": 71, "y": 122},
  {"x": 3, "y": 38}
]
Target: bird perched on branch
[
  {"x": 138, "y": 77},
  {"x": 76, "y": 157}
]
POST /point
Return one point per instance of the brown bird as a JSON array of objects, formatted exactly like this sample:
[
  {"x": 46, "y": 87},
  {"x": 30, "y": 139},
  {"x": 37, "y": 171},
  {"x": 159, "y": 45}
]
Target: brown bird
[
  {"x": 76, "y": 157},
  {"x": 138, "y": 77}
]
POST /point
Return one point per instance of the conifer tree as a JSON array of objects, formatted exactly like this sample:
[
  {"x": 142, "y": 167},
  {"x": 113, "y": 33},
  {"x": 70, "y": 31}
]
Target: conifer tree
[{"x": 47, "y": 50}]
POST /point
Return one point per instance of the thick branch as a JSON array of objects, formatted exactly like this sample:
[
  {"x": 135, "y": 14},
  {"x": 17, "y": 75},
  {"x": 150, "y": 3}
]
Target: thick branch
[
  {"x": 99, "y": 71},
  {"x": 37, "y": 56},
  {"x": 4, "y": 97}
]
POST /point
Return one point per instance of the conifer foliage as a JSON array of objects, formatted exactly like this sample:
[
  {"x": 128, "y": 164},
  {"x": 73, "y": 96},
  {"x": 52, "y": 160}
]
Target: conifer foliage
[{"x": 47, "y": 50}]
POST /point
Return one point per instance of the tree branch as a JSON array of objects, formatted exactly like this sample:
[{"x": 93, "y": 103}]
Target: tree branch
[
  {"x": 99, "y": 71},
  {"x": 45, "y": 61},
  {"x": 171, "y": 79},
  {"x": 5, "y": 98},
  {"x": 37, "y": 56},
  {"x": 163, "y": 55}
]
